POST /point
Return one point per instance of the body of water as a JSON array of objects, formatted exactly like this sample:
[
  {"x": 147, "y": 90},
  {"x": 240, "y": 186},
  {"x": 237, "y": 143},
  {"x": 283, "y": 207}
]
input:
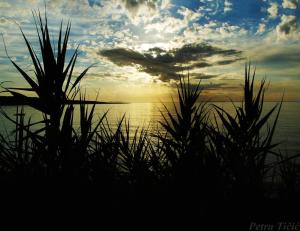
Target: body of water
[{"x": 148, "y": 114}]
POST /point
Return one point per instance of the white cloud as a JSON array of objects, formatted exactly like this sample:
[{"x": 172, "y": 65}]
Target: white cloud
[
  {"x": 227, "y": 6},
  {"x": 4, "y": 5},
  {"x": 261, "y": 28},
  {"x": 290, "y": 4},
  {"x": 169, "y": 24},
  {"x": 273, "y": 10},
  {"x": 189, "y": 15},
  {"x": 220, "y": 33},
  {"x": 166, "y": 4},
  {"x": 166, "y": 24},
  {"x": 287, "y": 28}
]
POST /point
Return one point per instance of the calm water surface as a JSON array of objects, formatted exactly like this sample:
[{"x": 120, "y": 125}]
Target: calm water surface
[{"x": 148, "y": 115}]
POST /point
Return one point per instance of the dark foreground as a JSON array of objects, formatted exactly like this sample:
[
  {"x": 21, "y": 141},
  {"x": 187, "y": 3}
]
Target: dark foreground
[{"x": 95, "y": 207}]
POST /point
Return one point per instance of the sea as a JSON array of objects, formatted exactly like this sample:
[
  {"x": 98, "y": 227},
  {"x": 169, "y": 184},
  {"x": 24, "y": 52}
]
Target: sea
[{"x": 148, "y": 115}]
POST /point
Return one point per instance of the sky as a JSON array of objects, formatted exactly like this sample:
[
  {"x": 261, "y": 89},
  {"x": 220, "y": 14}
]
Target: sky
[{"x": 140, "y": 47}]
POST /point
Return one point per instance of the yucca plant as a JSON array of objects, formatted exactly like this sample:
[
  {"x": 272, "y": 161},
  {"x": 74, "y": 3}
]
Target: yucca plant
[{"x": 245, "y": 140}]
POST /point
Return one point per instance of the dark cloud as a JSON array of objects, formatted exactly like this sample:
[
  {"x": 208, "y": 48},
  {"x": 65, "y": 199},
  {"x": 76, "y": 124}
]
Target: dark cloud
[
  {"x": 94, "y": 2},
  {"x": 226, "y": 62},
  {"x": 201, "y": 86},
  {"x": 231, "y": 78},
  {"x": 167, "y": 64},
  {"x": 3, "y": 20},
  {"x": 133, "y": 6},
  {"x": 105, "y": 75},
  {"x": 209, "y": 86},
  {"x": 291, "y": 58},
  {"x": 287, "y": 26},
  {"x": 203, "y": 76},
  {"x": 212, "y": 86},
  {"x": 200, "y": 65}
]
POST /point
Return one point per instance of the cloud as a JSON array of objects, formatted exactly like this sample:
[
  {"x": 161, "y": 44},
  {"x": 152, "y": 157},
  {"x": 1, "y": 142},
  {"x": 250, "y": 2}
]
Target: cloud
[
  {"x": 287, "y": 27},
  {"x": 105, "y": 75},
  {"x": 223, "y": 33},
  {"x": 230, "y": 61},
  {"x": 227, "y": 6},
  {"x": 138, "y": 10},
  {"x": 170, "y": 24},
  {"x": 208, "y": 86},
  {"x": 166, "y": 64},
  {"x": 133, "y": 6},
  {"x": 4, "y": 5},
  {"x": 261, "y": 28},
  {"x": 203, "y": 76},
  {"x": 212, "y": 86},
  {"x": 94, "y": 3},
  {"x": 288, "y": 56},
  {"x": 3, "y": 20},
  {"x": 166, "y": 24},
  {"x": 273, "y": 10},
  {"x": 188, "y": 15},
  {"x": 290, "y": 4}
]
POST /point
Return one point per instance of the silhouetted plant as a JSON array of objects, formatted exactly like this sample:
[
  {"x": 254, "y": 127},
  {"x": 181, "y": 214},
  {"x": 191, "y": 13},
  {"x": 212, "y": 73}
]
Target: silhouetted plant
[
  {"x": 53, "y": 80},
  {"x": 19, "y": 155},
  {"x": 246, "y": 141},
  {"x": 289, "y": 177},
  {"x": 103, "y": 158},
  {"x": 190, "y": 170},
  {"x": 135, "y": 157},
  {"x": 186, "y": 130}
]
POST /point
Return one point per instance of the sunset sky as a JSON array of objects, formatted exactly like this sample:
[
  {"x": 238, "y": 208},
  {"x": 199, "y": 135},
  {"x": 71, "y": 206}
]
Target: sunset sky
[{"x": 139, "y": 47}]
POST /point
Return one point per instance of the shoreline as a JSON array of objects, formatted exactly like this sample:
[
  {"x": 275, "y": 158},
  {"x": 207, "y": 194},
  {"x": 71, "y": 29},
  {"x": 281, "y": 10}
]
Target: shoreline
[{"x": 11, "y": 101}]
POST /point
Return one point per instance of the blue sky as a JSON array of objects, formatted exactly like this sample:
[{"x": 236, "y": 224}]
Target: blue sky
[{"x": 140, "y": 46}]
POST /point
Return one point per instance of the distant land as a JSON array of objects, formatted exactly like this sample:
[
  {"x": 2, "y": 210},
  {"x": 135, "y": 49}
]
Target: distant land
[{"x": 12, "y": 101}]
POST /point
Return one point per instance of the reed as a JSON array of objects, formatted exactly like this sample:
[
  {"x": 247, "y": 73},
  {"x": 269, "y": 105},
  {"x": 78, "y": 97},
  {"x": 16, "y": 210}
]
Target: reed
[{"x": 244, "y": 140}]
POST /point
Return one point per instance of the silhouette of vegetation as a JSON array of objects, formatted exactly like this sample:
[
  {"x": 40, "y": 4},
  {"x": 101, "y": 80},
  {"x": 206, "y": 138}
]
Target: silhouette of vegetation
[
  {"x": 192, "y": 162},
  {"x": 242, "y": 145}
]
